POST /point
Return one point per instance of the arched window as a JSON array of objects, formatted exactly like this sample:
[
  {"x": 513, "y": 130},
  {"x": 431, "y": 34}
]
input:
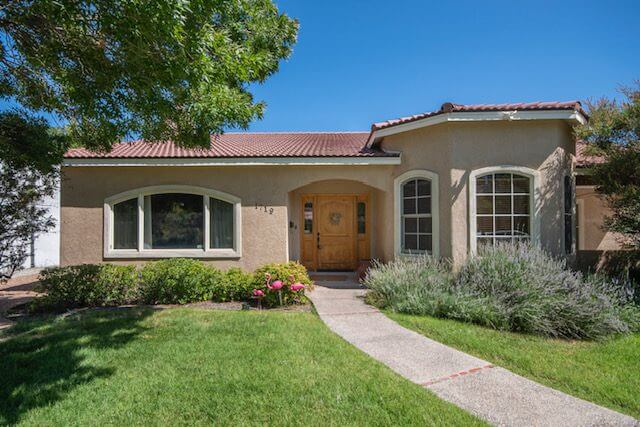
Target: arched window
[
  {"x": 171, "y": 221},
  {"x": 502, "y": 206},
  {"x": 417, "y": 224},
  {"x": 417, "y": 213}
]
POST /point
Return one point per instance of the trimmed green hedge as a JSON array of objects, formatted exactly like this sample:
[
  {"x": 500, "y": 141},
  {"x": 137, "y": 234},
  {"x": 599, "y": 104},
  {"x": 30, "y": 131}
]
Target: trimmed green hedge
[
  {"x": 87, "y": 285},
  {"x": 236, "y": 285},
  {"x": 171, "y": 281},
  {"x": 178, "y": 281}
]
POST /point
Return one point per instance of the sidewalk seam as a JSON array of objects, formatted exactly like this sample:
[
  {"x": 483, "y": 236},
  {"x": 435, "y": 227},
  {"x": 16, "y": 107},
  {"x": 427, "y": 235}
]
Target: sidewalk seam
[
  {"x": 347, "y": 314},
  {"x": 456, "y": 375}
]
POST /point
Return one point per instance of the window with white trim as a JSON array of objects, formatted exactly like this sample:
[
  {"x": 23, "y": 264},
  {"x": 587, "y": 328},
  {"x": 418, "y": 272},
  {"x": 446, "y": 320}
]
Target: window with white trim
[
  {"x": 503, "y": 208},
  {"x": 416, "y": 218},
  {"x": 173, "y": 221}
]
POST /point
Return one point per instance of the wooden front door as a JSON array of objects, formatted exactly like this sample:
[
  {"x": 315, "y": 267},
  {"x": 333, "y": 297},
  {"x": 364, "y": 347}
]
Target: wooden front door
[{"x": 336, "y": 232}]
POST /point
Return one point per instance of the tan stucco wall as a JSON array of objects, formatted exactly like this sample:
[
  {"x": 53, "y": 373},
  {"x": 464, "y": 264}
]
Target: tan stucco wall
[
  {"x": 454, "y": 150},
  {"x": 264, "y": 234},
  {"x": 592, "y": 213},
  {"x": 450, "y": 150}
]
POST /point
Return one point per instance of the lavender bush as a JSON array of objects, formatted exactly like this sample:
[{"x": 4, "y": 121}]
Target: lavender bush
[
  {"x": 424, "y": 286},
  {"x": 508, "y": 287},
  {"x": 409, "y": 285},
  {"x": 533, "y": 292}
]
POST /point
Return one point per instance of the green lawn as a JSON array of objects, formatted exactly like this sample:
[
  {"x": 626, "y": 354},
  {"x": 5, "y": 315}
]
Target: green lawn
[
  {"x": 607, "y": 372},
  {"x": 193, "y": 366}
]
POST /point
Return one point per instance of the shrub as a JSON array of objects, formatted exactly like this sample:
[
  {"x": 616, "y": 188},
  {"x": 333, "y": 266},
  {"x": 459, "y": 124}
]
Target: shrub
[
  {"x": 423, "y": 286},
  {"x": 236, "y": 285},
  {"x": 171, "y": 281},
  {"x": 623, "y": 267},
  {"x": 178, "y": 281},
  {"x": 409, "y": 285},
  {"x": 282, "y": 272},
  {"x": 508, "y": 287},
  {"x": 532, "y": 292},
  {"x": 87, "y": 285}
]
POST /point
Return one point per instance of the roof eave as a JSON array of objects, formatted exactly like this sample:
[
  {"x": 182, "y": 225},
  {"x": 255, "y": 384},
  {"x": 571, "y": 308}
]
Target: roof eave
[
  {"x": 235, "y": 161},
  {"x": 473, "y": 116}
]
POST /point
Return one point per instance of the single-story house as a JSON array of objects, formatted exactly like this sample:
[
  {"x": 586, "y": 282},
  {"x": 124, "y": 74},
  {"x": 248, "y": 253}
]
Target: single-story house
[{"x": 443, "y": 182}]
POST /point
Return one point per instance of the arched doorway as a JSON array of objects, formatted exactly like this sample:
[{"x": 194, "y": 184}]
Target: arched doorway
[{"x": 335, "y": 218}]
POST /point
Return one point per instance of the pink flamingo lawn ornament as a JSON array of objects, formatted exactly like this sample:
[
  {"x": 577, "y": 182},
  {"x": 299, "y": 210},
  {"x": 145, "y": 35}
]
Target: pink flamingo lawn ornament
[
  {"x": 258, "y": 294},
  {"x": 295, "y": 287},
  {"x": 275, "y": 286}
]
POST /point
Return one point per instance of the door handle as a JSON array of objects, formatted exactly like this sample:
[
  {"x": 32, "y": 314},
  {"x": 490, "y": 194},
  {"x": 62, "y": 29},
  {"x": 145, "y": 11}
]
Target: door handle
[{"x": 318, "y": 240}]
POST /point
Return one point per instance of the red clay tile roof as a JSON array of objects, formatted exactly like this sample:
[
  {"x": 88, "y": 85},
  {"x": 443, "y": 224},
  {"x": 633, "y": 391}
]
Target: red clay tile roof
[
  {"x": 584, "y": 160},
  {"x": 298, "y": 144},
  {"x": 249, "y": 144},
  {"x": 329, "y": 144},
  {"x": 449, "y": 107}
]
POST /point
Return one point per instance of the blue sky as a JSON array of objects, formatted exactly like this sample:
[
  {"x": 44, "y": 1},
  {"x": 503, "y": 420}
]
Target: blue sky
[{"x": 357, "y": 62}]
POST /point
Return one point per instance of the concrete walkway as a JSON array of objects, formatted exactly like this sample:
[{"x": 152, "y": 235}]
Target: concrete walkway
[{"x": 490, "y": 392}]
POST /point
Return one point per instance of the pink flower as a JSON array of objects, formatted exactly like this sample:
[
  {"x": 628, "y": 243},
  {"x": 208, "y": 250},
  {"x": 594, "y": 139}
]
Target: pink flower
[
  {"x": 258, "y": 293},
  {"x": 275, "y": 286},
  {"x": 297, "y": 287}
]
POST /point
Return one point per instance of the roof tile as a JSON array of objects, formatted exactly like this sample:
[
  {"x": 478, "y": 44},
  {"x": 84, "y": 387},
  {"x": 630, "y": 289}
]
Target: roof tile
[
  {"x": 583, "y": 159},
  {"x": 302, "y": 144},
  {"x": 248, "y": 144},
  {"x": 450, "y": 107}
]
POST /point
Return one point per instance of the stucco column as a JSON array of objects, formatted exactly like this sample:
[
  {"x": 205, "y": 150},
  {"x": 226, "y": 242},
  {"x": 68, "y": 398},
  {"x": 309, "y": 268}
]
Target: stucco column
[{"x": 459, "y": 215}]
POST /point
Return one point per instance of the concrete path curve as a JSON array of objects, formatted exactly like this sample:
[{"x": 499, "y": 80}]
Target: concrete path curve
[{"x": 490, "y": 392}]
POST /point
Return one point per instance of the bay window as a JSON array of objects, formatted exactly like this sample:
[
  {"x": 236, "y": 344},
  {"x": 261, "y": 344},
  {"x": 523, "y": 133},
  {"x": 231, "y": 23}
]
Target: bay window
[{"x": 172, "y": 221}]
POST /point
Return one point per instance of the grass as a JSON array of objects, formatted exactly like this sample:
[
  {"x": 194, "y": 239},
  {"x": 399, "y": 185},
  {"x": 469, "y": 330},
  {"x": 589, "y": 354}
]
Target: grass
[
  {"x": 194, "y": 367},
  {"x": 605, "y": 372}
]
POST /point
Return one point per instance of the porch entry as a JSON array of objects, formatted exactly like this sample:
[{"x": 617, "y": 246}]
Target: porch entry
[{"x": 335, "y": 231}]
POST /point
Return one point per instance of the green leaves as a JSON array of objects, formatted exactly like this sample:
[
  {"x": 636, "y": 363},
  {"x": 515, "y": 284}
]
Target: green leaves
[
  {"x": 614, "y": 133},
  {"x": 160, "y": 69},
  {"x": 27, "y": 142}
]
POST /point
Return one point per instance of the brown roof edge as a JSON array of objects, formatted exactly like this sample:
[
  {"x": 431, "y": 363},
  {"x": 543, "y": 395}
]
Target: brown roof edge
[{"x": 451, "y": 107}]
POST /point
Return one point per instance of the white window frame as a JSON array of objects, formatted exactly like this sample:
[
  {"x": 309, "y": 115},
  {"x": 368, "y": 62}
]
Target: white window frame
[
  {"x": 141, "y": 252},
  {"x": 435, "y": 209},
  {"x": 534, "y": 200}
]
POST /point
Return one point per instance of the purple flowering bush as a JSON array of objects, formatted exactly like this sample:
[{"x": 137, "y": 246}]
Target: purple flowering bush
[{"x": 514, "y": 287}]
